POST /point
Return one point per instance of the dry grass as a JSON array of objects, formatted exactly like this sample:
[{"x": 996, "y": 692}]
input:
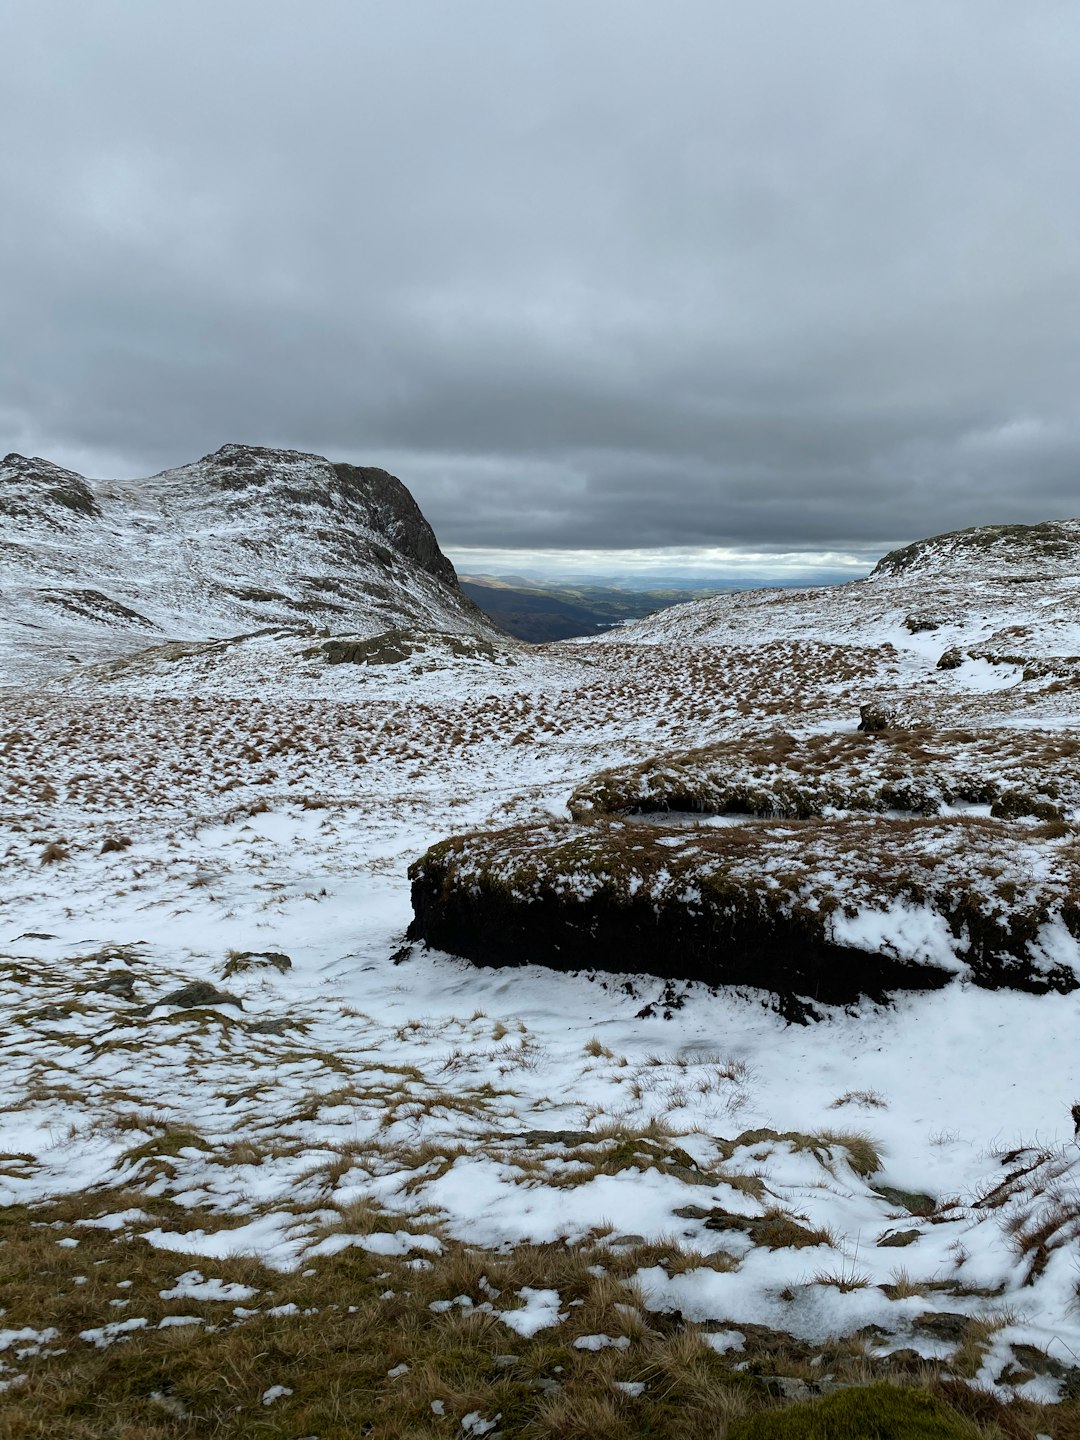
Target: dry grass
[
  {"x": 1037, "y": 1204},
  {"x": 859, "y": 1149},
  {"x": 867, "y": 1099},
  {"x": 372, "y": 1344},
  {"x": 846, "y": 1279},
  {"x": 903, "y": 1287}
]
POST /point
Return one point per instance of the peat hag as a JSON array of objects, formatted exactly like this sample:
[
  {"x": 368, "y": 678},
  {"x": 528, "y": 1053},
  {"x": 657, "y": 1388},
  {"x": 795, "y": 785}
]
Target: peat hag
[{"x": 828, "y": 911}]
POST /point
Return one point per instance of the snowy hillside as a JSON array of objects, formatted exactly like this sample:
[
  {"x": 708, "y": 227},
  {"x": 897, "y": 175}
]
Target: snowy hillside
[
  {"x": 243, "y": 540},
  {"x": 251, "y": 1131},
  {"x": 1001, "y": 602}
]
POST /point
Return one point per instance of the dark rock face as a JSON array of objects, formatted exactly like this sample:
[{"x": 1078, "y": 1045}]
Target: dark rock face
[
  {"x": 244, "y": 540},
  {"x": 396, "y": 512}
]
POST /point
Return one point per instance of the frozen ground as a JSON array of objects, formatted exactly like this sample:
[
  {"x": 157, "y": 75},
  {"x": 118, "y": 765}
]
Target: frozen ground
[{"x": 194, "y": 818}]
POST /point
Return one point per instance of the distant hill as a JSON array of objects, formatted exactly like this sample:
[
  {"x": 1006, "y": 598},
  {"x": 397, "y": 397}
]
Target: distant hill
[
  {"x": 537, "y": 613},
  {"x": 1051, "y": 548}
]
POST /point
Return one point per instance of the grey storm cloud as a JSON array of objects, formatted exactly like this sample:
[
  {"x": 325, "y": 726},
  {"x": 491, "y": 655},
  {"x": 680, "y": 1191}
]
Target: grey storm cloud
[{"x": 602, "y": 275}]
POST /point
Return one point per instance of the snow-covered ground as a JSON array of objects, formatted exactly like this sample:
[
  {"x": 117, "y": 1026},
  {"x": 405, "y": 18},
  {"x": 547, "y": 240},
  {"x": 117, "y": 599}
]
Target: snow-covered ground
[{"x": 188, "y": 817}]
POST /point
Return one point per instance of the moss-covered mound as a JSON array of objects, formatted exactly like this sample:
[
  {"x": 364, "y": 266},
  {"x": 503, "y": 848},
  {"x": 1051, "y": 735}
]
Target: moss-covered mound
[
  {"x": 393, "y": 646},
  {"x": 872, "y": 1412},
  {"x": 831, "y": 910},
  {"x": 918, "y": 771}
]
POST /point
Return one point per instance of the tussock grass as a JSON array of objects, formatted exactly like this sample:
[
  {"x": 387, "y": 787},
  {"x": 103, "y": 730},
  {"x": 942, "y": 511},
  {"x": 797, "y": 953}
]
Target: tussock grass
[
  {"x": 868, "y": 1099},
  {"x": 1037, "y": 1204},
  {"x": 903, "y": 1287},
  {"x": 365, "y": 1343},
  {"x": 845, "y": 1279},
  {"x": 860, "y": 1151}
]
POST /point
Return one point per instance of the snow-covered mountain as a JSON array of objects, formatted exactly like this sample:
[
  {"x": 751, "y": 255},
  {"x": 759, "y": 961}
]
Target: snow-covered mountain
[{"x": 242, "y": 540}]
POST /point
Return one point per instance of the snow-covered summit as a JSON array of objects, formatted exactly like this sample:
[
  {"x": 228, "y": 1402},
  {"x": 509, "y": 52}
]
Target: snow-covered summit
[
  {"x": 241, "y": 540},
  {"x": 1034, "y": 552}
]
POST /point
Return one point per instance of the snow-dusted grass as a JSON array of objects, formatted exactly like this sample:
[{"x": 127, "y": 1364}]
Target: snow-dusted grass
[
  {"x": 392, "y": 1328},
  {"x": 363, "y": 1120},
  {"x": 924, "y": 772}
]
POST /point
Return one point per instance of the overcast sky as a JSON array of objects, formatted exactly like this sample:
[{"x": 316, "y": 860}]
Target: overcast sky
[{"x": 761, "y": 276}]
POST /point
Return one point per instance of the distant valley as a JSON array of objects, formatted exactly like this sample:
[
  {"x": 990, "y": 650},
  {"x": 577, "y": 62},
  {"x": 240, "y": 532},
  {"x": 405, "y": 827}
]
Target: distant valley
[{"x": 538, "y": 611}]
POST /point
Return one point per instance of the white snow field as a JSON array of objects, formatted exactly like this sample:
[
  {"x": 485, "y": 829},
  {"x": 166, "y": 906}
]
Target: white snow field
[{"x": 217, "y": 1044}]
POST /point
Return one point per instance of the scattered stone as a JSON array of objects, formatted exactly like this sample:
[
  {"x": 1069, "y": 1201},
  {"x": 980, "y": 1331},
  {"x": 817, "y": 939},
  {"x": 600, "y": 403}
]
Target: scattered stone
[
  {"x": 773, "y": 1231},
  {"x": 238, "y": 961},
  {"x": 951, "y": 659},
  {"x": 197, "y": 994},
  {"x": 172, "y": 1405},
  {"x": 785, "y": 1387},
  {"x": 569, "y": 1138},
  {"x": 945, "y": 1325},
  {"x": 913, "y": 1201},
  {"x": 916, "y": 624},
  {"x": 118, "y": 983},
  {"x": 898, "y": 1238},
  {"x": 905, "y": 1359},
  {"x": 877, "y": 715},
  {"x": 1013, "y": 1374},
  {"x": 271, "y": 1027},
  {"x": 873, "y": 1334},
  {"x": 394, "y": 646},
  {"x": 54, "y": 1012},
  {"x": 1041, "y": 1363}
]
